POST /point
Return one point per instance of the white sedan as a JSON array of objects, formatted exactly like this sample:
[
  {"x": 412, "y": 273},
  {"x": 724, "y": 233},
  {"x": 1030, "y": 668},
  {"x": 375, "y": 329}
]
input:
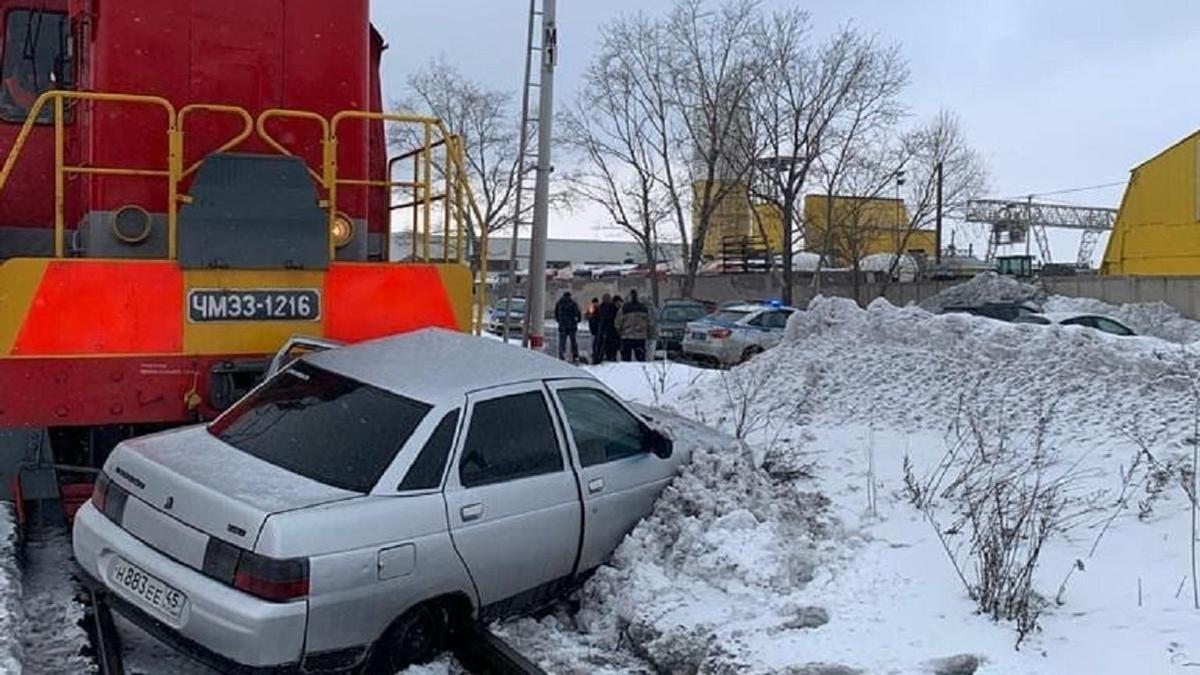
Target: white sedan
[{"x": 736, "y": 333}]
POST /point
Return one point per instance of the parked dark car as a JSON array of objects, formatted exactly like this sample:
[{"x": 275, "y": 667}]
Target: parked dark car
[
  {"x": 498, "y": 320},
  {"x": 673, "y": 319},
  {"x": 1104, "y": 324},
  {"x": 1002, "y": 311}
]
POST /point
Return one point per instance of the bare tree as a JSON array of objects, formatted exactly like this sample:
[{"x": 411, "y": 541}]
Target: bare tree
[
  {"x": 812, "y": 104},
  {"x": 856, "y": 181},
  {"x": 714, "y": 67},
  {"x": 687, "y": 78},
  {"x": 940, "y": 141},
  {"x": 485, "y": 121},
  {"x": 884, "y": 164},
  {"x": 618, "y": 148}
]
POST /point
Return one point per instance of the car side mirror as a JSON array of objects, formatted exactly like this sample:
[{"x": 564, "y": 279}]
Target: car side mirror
[{"x": 657, "y": 443}]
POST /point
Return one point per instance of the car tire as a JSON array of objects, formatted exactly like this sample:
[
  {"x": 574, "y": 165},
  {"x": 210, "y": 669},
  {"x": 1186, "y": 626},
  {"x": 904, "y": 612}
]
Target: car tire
[
  {"x": 418, "y": 636},
  {"x": 750, "y": 353}
]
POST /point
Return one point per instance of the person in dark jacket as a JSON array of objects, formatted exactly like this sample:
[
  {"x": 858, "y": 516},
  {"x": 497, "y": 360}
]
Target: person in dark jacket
[
  {"x": 609, "y": 338},
  {"x": 593, "y": 320},
  {"x": 633, "y": 324},
  {"x": 566, "y": 313}
]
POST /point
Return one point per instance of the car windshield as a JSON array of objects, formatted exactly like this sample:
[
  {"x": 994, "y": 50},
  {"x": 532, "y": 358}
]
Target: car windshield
[
  {"x": 728, "y": 315},
  {"x": 518, "y": 305},
  {"x": 322, "y": 425},
  {"x": 685, "y": 313}
]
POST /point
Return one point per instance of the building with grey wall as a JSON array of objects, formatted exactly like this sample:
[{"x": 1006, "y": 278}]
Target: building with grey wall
[{"x": 560, "y": 253}]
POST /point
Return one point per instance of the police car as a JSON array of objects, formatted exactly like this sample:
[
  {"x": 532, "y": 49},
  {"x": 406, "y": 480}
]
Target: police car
[{"x": 736, "y": 333}]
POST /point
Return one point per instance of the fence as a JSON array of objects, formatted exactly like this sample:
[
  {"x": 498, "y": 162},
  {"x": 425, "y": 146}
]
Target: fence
[{"x": 1182, "y": 293}]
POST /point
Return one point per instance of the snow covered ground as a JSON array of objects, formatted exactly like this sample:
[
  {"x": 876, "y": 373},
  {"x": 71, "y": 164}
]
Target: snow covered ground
[
  {"x": 10, "y": 595},
  {"x": 791, "y": 544},
  {"x": 773, "y": 556}
]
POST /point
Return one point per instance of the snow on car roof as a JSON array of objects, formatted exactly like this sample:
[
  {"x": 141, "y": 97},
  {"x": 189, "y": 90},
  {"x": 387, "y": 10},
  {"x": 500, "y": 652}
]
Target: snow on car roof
[
  {"x": 434, "y": 364},
  {"x": 753, "y": 307}
]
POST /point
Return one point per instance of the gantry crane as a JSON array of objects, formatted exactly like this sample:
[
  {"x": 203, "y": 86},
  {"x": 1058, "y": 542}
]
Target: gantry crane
[{"x": 1013, "y": 221}]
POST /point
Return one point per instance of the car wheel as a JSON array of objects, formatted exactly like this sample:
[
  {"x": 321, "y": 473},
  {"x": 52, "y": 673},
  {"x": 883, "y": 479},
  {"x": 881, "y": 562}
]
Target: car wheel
[
  {"x": 416, "y": 637},
  {"x": 751, "y": 352}
]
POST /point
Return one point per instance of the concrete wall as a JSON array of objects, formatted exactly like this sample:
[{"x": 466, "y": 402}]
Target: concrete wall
[{"x": 1182, "y": 293}]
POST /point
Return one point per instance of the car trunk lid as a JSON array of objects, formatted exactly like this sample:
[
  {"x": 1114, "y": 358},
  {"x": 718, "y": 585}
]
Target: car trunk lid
[{"x": 210, "y": 486}]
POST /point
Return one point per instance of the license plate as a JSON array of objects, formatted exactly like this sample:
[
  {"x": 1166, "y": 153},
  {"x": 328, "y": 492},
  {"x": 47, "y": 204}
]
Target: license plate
[
  {"x": 148, "y": 588},
  {"x": 699, "y": 336},
  {"x": 206, "y": 304}
]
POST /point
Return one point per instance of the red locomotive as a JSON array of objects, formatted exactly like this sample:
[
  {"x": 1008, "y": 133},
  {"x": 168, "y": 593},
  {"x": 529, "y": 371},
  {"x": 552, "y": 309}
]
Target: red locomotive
[{"x": 186, "y": 185}]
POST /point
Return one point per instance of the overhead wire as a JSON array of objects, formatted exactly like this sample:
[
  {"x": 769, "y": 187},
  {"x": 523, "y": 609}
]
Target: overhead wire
[{"x": 1066, "y": 191}]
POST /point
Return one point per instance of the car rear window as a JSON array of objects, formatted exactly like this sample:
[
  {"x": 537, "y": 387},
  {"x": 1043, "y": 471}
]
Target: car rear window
[
  {"x": 687, "y": 313},
  {"x": 322, "y": 425},
  {"x": 730, "y": 315}
]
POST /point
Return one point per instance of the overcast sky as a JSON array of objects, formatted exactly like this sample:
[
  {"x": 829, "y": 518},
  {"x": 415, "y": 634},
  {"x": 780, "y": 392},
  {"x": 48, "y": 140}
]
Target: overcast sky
[{"x": 1056, "y": 94}]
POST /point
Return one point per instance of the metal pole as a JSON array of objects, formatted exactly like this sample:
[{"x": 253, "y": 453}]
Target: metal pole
[
  {"x": 937, "y": 256},
  {"x": 541, "y": 193},
  {"x": 518, "y": 207}
]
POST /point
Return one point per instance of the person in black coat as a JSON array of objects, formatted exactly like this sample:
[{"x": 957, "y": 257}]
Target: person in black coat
[
  {"x": 606, "y": 326},
  {"x": 612, "y": 336},
  {"x": 566, "y": 313},
  {"x": 592, "y": 314}
]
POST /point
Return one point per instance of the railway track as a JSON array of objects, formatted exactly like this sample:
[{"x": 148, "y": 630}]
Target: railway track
[
  {"x": 477, "y": 649},
  {"x": 65, "y": 623},
  {"x": 106, "y": 641}
]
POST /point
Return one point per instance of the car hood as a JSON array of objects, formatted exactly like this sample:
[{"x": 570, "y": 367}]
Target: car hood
[{"x": 211, "y": 485}]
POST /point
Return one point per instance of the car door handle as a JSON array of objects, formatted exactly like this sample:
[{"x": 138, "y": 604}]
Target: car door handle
[
  {"x": 595, "y": 485},
  {"x": 471, "y": 512}
]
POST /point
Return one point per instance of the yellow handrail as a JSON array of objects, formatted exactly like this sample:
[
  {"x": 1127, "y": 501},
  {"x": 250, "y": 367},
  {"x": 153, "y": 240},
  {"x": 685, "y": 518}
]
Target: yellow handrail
[
  {"x": 60, "y": 168},
  {"x": 458, "y": 201},
  {"x": 284, "y": 113},
  {"x": 247, "y": 128}
]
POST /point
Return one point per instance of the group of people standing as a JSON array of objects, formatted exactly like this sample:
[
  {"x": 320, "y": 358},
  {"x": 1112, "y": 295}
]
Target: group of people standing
[{"x": 619, "y": 327}]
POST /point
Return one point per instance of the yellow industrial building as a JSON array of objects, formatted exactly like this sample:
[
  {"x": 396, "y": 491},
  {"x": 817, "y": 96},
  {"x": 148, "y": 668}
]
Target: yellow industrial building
[
  {"x": 1157, "y": 231},
  {"x": 730, "y": 217},
  {"x": 861, "y": 227}
]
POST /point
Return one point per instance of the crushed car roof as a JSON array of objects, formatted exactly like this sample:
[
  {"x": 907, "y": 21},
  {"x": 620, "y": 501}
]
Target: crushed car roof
[{"x": 435, "y": 365}]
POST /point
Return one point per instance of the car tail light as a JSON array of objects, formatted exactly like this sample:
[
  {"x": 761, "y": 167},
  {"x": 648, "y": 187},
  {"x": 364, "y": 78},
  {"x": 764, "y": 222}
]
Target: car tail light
[
  {"x": 271, "y": 579},
  {"x": 100, "y": 492},
  {"x": 109, "y": 498},
  {"x": 221, "y": 560},
  {"x": 719, "y": 333}
]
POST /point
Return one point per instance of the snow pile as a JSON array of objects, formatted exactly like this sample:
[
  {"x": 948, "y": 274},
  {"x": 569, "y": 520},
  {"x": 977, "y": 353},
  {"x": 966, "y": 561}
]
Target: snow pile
[
  {"x": 1156, "y": 319},
  {"x": 797, "y": 550},
  {"x": 903, "y": 267},
  {"x": 744, "y": 569},
  {"x": 727, "y": 551},
  {"x": 984, "y": 288},
  {"x": 910, "y": 368},
  {"x": 10, "y": 594}
]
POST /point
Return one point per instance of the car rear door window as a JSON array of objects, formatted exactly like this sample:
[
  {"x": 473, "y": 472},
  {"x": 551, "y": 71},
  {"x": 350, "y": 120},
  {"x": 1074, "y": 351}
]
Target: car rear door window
[
  {"x": 427, "y": 469},
  {"x": 1110, "y": 326},
  {"x": 510, "y": 437},
  {"x": 1080, "y": 321},
  {"x": 322, "y": 425},
  {"x": 602, "y": 429},
  {"x": 775, "y": 320}
]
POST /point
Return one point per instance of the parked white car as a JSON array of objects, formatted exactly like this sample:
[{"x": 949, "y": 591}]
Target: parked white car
[
  {"x": 364, "y": 499},
  {"x": 736, "y": 333}
]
